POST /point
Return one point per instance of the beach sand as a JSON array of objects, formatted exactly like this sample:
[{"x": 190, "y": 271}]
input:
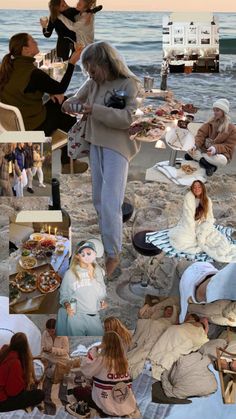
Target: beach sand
[{"x": 125, "y": 297}]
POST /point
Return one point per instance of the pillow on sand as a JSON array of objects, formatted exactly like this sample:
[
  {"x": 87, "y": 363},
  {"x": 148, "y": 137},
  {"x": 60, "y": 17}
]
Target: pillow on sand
[{"x": 189, "y": 377}]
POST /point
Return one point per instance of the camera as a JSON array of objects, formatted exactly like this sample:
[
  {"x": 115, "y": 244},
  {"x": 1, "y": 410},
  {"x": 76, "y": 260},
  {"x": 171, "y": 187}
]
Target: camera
[{"x": 115, "y": 99}]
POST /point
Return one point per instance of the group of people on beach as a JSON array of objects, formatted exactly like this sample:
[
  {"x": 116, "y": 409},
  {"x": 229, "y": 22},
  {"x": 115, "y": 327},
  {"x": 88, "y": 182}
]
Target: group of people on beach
[
  {"x": 19, "y": 163},
  {"x": 106, "y": 121},
  {"x": 106, "y": 362}
]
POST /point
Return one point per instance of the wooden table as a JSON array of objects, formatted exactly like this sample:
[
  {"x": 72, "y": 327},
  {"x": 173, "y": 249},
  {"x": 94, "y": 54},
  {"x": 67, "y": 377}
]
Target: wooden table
[{"x": 48, "y": 303}]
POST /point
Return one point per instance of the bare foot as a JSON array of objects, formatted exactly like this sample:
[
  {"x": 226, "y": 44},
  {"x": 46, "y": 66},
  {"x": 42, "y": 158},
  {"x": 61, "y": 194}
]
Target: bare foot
[{"x": 111, "y": 264}]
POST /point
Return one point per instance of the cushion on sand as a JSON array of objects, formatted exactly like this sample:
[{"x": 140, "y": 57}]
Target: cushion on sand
[{"x": 189, "y": 377}]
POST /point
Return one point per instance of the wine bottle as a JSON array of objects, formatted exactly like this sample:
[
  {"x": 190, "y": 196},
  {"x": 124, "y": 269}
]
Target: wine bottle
[{"x": 55, "y": 204}]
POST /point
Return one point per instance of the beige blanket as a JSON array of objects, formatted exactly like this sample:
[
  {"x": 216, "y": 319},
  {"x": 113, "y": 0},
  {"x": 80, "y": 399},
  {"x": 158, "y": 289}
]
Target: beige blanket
[{"x": 174, "y": 342}]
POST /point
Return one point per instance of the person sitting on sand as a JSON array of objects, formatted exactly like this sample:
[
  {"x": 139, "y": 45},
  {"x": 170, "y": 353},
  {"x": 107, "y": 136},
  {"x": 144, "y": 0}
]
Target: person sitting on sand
[
  {"x": 115, "y": 396},
  {"x": 115, "y": 325},
  {"x": 215, "y": 140},
  {"x": 196, "y": 232},
  {"x": 54, "y": 347},
  {"x": 17, "y": 375}
]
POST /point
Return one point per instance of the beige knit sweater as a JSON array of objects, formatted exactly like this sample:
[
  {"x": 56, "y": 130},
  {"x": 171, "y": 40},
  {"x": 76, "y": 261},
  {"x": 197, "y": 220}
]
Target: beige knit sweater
[{"x": 109, "y": 127}]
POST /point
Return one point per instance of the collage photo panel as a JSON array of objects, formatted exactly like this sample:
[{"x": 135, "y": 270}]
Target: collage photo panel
[{"x": 117, "y": 210}]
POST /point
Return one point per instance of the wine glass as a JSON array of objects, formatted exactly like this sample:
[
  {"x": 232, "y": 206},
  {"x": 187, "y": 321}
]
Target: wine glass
[
  {"x": 147, "y": 220},
  {"x": 58, "y": 68},
  {"x": 128, "y": 205}
]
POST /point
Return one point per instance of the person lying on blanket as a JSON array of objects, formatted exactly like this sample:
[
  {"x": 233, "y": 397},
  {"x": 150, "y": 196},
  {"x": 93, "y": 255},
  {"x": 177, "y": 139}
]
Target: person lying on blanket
[
  {"x": 176, "y": 341},
  {"x": 147, "y": 332},
  {"x": 154, "y": 308},
  {"x": 203, "y": 283}
]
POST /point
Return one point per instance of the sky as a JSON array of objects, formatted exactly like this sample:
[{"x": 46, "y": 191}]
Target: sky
[{"x": 147, "y": 5}]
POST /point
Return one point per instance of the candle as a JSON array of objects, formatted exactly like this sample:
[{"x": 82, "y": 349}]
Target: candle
[
  {"x": 49, "y": 230},
  {"x": 55, "y": 231}
]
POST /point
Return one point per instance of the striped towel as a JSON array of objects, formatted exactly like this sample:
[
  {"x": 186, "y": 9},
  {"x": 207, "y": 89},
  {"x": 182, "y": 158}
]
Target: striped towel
[{"x": 161, "y": 240}]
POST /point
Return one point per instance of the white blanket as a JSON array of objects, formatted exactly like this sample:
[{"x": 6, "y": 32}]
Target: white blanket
[
  {"x": 178, "y": 176},
  {"x": 145, "y": 337},
  {"x": 193, "y": 237},
  {"x": 173, "y": 343}
]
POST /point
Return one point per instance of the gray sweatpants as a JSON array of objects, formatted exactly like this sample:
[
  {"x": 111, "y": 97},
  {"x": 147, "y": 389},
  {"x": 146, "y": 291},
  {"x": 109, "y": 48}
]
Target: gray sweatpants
[{"x": 109, "y": 171}]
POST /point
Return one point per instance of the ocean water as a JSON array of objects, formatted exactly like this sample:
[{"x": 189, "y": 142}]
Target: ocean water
[{"x": 138, "y": 36}]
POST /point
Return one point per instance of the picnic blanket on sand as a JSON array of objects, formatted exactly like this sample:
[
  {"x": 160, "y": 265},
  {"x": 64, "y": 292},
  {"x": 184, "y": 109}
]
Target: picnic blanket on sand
[
  {"x": 161, "y": 240},
  {"x": 177, "y": 176},
  {"x": 174, "y": 342}
]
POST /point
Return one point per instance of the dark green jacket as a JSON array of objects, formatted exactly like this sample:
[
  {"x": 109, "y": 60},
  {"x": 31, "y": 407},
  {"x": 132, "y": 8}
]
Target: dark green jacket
[{"x": 29, "y": 104}]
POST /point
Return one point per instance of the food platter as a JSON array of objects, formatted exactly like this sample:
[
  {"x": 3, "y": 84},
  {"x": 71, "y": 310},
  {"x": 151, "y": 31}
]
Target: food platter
[
  {"x": 28, "y": 262},
  {"x": 26, "y": 281},
  {"x": 48, "y": 281}
]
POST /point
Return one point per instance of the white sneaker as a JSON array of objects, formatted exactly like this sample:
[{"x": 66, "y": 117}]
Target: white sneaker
[{"x": 41, "y": 185}]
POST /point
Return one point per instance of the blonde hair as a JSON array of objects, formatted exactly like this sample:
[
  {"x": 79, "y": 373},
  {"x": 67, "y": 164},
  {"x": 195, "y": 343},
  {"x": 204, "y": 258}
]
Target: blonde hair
[
  {"x": 113, "y": 353},
  {"x": 222, "y": 123},
  {"x": 113, "y": 324},
  {"x": 75, "y": 262},
  {"x": 103, "y": 56}
]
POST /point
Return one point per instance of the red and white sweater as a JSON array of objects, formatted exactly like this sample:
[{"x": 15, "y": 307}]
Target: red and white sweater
[{"x": 111, "y": 392}]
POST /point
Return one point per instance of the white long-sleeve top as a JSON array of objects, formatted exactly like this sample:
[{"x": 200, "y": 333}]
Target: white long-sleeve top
[
  {"x": 111, "y": 393},
  {"x": 59, "y": 347}
]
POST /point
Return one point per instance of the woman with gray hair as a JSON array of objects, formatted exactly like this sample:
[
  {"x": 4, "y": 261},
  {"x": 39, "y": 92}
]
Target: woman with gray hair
[
  {"x": 215, "y": 140},
  {"x": 108, "y": 100}
]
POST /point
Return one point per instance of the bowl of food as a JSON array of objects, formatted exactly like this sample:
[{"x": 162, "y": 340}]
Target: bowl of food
[
  {"x": 37, "y": 237},
  {"x": 30, "y": 244},
  {"x": 28, "y": 262},
  {"x": 60, "y": 248},
  {"x": 25, "y": 252}
]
